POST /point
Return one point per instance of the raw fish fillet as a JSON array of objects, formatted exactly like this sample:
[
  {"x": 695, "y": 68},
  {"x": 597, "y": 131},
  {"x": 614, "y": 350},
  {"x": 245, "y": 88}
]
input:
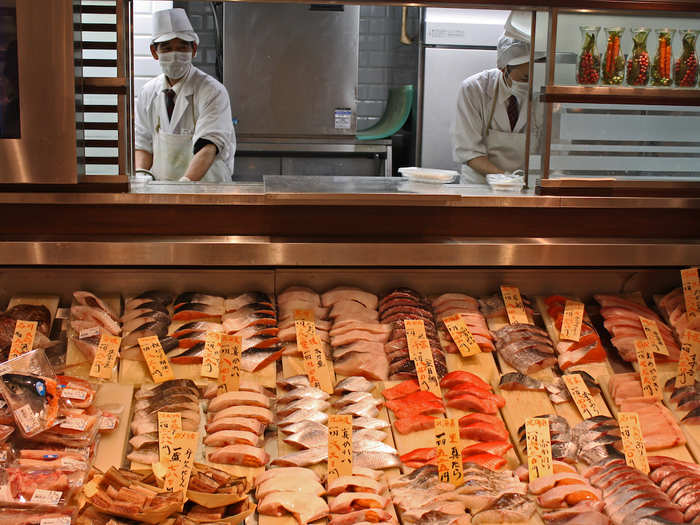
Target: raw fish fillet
[
  {"x": 303, "y": 458},
  {"x": 507, "y": 508},
  {"x": 244, "y": 455},
  {"x": 402, "y": 389},
  {"x": 348, "y": 293},
  {"x": 358, "y": 335},
  {"x": 191, "y": 311},
  {"x": 303, "y": 293},
  {"x": 238, "y": 398},
  {"x": 480, "y": 431},
  {"x": 368, "y": 366},
  {"x": 354, "y": 484},
  {"x": 354, "y": 384},
  {"x": 232, "y": 437},
  {"x": 258, "y": 358},
  {"x": 261, "y": 414},
  {"x": 498, "y": 448},
  {"x": 300, "y": 473},
  {"x": 97, "y": 315},
  {"x": 91, "y": 300},
  {"x": 304, "y": 507},
  {"x": 467, "y": 401},
  {"x": 351, "y": 501},
  {"x": 232, "y": 304},
  {"x": 462, "y": 376},
  {"x": 414, "y": 424},
  {"x": 518, "y": 381},
  {"x": 317, "y": 405},
  {"x": 362, "y": 516},
  {"x": 288, "y": 484}
]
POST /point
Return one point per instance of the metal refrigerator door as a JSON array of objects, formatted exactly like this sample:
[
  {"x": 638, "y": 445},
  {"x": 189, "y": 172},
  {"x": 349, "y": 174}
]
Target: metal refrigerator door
[
  {"x": 288, "y": 68},
  {"x": 445, "y": 69}
]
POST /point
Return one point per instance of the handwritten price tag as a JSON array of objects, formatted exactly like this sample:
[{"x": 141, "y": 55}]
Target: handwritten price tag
[
  {"x": 168, "y": 424},
  {"x": 647, "y": 370},
  {"x": 571, "y": 323},
  {"x": 539, "y": 448},
  {"x": 461, "y": 335},
  {"x": 585, "y": 403},
  {"x": 449, "y": 455},
  {"x": 212, "y": 355},
  {"x": 688, "y": 361},
  {"x": 315, "y": 363},
  {"x": 23, "y": 338},
  {"x": 105, "y": 356},
  {"x": 230, "y": 363},
  {"x": 180, "y": 462},
  {"x": 514, "y": 305},
  {"x": 157, "y": 363},
  {"x": 420, "y": 353},
  {"x": 651, "y": 330},
  {"x": 339, "y": 446},
  {"x": 691, "y": 292},
  {"x": 633, "y": 441}
]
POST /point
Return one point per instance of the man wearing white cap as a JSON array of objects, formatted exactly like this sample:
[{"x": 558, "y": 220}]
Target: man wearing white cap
[
  {"x": 184, "y": 130},
  {"x": 489, "y": 133}
]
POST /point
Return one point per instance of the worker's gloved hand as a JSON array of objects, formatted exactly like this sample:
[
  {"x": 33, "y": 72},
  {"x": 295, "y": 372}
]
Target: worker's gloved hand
[
  {"x": 184, "y": 178},
  {"x": 143, "y": 175}
]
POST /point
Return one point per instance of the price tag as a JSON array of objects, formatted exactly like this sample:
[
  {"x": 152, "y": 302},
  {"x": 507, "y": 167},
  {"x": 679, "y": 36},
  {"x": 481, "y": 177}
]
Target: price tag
[
  {"x": 422, "y": 356},
  {"x": 585, "y": 403},
  {"x": 461, "y": 335},
  {"x": 105, "y": 356},
  {"x": 63, "y": 313},
  {"x": 691, "y": 292},
  {"x": 339, "y": 446},
  {"x": 449, "y": 455},
  {"x": 158, "y": 364},
  {"x": 23, "y": 338},
  {"x": 647, "y": 370},
  {"x": 180, "y": 462},
  {"x": 212, "y": 355},
  {"x": 108, "y": 423},
  {"x": 89, "y": 332},
  {"x": 72, "y": 463},
  {"x": 539, "y": 448},
  {"x": 46, "y": 497},
  {"x": 63, "y": 520},
  {"x": 230, "y": 363},
  {"x": 633, "y": 441},
  {"x": 688, "y": 360},
  {"x": 315, "y": 363},
  {"x": 651, "y": 330},
  {"x": 26, "y": 417},
  {"x": 571, "y": 322},
  {"x": 514, "y": 305},
  {"x": 74, "y": 393},
  {"x": 74, "y": 423},
  {"x": 168, "y": 424}
]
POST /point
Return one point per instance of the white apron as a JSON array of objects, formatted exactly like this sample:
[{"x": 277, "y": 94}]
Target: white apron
[
  {"x": 172, "y": 154},
  {"x": 505, "y": 149}
]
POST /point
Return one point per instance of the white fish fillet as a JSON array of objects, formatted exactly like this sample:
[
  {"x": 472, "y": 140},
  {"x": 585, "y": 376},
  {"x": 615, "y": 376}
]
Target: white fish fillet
[{"x": 304, "y": 507}]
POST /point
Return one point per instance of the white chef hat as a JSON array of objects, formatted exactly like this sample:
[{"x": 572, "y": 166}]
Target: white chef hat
[
  {"x": 511, "y": 52},
  {"x": 172, "y": 23}
]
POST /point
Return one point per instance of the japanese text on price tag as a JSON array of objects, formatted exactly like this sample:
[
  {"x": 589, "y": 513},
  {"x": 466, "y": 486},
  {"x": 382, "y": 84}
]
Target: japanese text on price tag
[
  {"x": 105, "y": 356},
  {"x": 651, "y": 330},
  {"x": 688, "y": 360},
  {"x": 315, "y": 363},
  {"x": 180, "y": 462},
  {"x": 168, "y": 424},
  {"x": 571, "y": 322},
  {"x": 420, "y": 352},
  {"x": 461, "y": 335},
  {"x": 583, "y": 398},
  {"x": 212, "y": 355},
  {"x": 448, "y": 449},
  {"x": 691, "y": 292},
  {"x": 647, "y": 370},
  {"x": 633, "y": 442},
  {"x": 230, "y": 363},
  {"x": 514, "y": 305},
  {"x": 23, "y": 338},
  {"x": 158, "y": 364},
  {"x": 539, "y": 448},
  {"x": 339, "y": 446}
]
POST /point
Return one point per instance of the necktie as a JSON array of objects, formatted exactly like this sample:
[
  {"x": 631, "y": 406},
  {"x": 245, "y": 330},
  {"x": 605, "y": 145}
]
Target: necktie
[
  {"x": 513, "y": 111},
  {"x": 169, "y": 102}
]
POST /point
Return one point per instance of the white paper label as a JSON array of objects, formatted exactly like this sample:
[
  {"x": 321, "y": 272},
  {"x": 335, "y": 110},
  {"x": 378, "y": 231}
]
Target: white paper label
[
  {"x": 72, "y": 463},
  {"x": 89, "y": 332},
  {"x": 63, "y": 520},
  {"x": 27, "y": 419},
  {"x": 46, "y": 497},
  {"x": 63, "y": 313},
  {"x": 343, "y": 118},
  {"x": 108, "y": 423},
  {"x": 79, "y": 451},
  {"x": 72, "y": 393},
  {"x": 74, "y": 423}
]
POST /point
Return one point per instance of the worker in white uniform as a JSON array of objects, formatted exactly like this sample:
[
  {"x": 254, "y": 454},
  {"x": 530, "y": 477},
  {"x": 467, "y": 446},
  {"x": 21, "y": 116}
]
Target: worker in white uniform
[
  {"x": 489, "y": 132},
  {"x": 183, "y": 130}
]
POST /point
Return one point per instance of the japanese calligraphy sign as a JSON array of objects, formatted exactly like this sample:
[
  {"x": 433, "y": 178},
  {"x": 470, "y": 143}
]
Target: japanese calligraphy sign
[
  {"x": 420, "y": 353},
  {"x": 168, "y": 424},
  {"x": 571, "y": 323},
  {"x": 632, "y": 441},
  {"x": 230, "y": 363},
  {"x": 23, "y": 338},
  {"x": 585, "y": 403},
  {"x": 688, "y": 360},
  {"x": 647, "y": 370},
  {"x": 212, "y": 355},
  {"x": 339, "y": 446},
  {"x": 180, "y": 462},
  {"x": 158, "y": 364},
  {"x": 461, "y": 335},
  {"x": 514, "y": 305},
  {"x": 539, "y": 448},
  {"x": 105, "y": 356},
  {"x": 448, "y": 449},
  {"x": 651, "y": 330},
  {"x": 315, "y": 363},
  {"x": 691, "y": 292}
]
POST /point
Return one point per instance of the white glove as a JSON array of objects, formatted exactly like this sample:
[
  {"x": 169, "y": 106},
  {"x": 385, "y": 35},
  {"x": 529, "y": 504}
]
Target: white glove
[
  {"x": 184, "y": 178},
  {"x": 143, "y": 175}
]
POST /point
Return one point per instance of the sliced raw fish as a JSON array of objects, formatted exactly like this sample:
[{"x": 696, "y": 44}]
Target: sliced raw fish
[
  {"x": 362, "y": 516},
  {"x": 312, "y": 436},
  {"x": 142, "y": 440},
  {"x": 147, "y": 455},
  {"x": 462, "y": 376},
  {"x": 348, "y": 326},
  {"x": 541, "y": 485},
  {"x": 302, "y": 392},
  {"x": 261, "y": 414},
  {"x": 198, "y": 298},
  {"x": 318, "y": 405},
  {"x": 303, "y": 293},
  {"x": 481, "y": 431},
  {"x": 467, "y": 388},
  {"x": 366, "y": 365},
  {"x": 365, "y": 408},
  {"x": 97, "y": 315},
  {"x": 299, "y": 473},
  {"x": 149, "y": 296},
  {"x": 467, "y": 401},
  {"x": 232, "y": 437},
  {"x": 300, "y": 426},
  {"x": 375, "y": 460},
  {"x": 414, "y": 424},
  {"x": 518, "y": 381},
  {"x": 303, "y": 458},
  {"x": 191, "y": 311},
  {"x": 304, "y": 415},
  {"x": 255, "y": 359},
  {"x": 305, "y": 507},
  {"x": 363, "y": 347},
  {"x": 231, "y": 304},
  {"x": 499, "y": 448},
  {"x": 351, "y": 501},
  {"x": 356, "y": 397},
  {"x": 91, "y": 300},
  {"x": 371, "y": 423},
  {"x": 238, "y": 398},
  {"x": 507, "y": 508},
  {"x": 293, "y": 382},
  {"x": 140, "y": 322},
  {"x": 358, "y": 335},
  {"x": 197, "y": 326},
  {"x": 353, "y": 384},
  {"x": 402, "y": 389},
  {"x": 261, "y": 319},
  {"x": 349, "y": 293},
  {"x": 289, "y": 484},
  {"x": 244, "y": 455}
]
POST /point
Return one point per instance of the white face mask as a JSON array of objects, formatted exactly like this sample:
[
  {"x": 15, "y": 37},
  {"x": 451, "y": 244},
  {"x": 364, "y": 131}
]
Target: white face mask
[
  {"x": 175, "y": 64},
  {"x": 519, "y": 89}
]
